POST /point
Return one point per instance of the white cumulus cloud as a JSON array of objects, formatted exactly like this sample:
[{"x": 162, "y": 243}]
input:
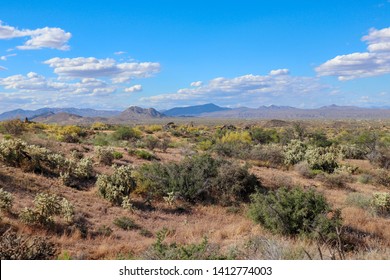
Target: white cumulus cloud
[
  {"x": 278, "y": 72},
  {"x": 246, "y": 90},
  {"x": 196, "y": 84},
  {"x": 89, "y": 67},
  {"x": 47, "y": 37},
  {"x": 135, "y": 88},
  {"x": 375, "y": 62}
]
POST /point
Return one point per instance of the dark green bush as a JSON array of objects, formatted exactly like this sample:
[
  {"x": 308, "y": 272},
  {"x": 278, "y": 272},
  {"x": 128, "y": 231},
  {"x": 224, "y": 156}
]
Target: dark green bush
[
  {"x": 125, "y": 133},
  {"x": 161, "y": 250},
  {"x": 293, "y": 212},
  {"x": 197, "y": 178},
  {"x": 126, "y": 223},
  {"x": 264, "y": 136}
]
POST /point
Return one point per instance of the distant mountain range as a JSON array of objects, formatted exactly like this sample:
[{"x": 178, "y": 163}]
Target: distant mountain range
[
  {"x": 21, "y": 114},
  {"x": 192, "y": 111},
  {"x": 138, "y": 114}
]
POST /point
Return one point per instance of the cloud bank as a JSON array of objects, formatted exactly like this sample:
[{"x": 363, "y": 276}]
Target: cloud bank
[
  {"x": 375, "y": 62},
  {"x": 47, "y": 37}
]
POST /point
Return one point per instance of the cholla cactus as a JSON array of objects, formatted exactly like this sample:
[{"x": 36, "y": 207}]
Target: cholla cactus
[
  {"x": 352, "y": 151},
  {"x": 67, "y": 210},
  {"x": 118, "y": 186},
  {"x": 104, "y": 155},
  {"x": 46, "y": 206},
  {"x": 319, "y": 158},
  {"x": 381, "y": 202},
  {"x": 84, "y": 169},
  {"x": 11, "y": 151},
  {"x": 294, "y": 152},
  {"x": 6, "y": 200}
]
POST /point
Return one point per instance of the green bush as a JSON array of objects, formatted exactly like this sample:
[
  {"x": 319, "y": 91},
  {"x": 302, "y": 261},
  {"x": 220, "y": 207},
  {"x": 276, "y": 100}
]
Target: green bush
[
  {"x": 382, "y": 177},
  {"x": 144, "y": 154},
  {"x": 13, "y": 127},
  {"x": 294, "y": 212},
  {"x": 264, "y": 136},
  {"x": 117, "y": 187},
  {"x": 126, "y": 223},
  {"x": 151, "y": 142},
  {"x": 117, "y": 155},
  {"x": 199, "y": 178},
  {"x": 6, "y": 200},
  {"x": 161, "y": 250},
  {"x": 352, "y": 151},
  {"x": 125, "y": 133},
  {"x": 272, "y": 155},
  {"x": 233, "y": 183}
]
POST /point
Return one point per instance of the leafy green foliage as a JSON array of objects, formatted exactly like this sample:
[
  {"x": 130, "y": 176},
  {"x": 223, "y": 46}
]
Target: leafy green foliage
[
  {"x": 126, "y": 223},
  {"x": 125, "y": 133},
  {"x": 264, "y": 136},
  {"x": 293, "y": 211},
  {"x": 197, "y": 178},
  {"x": 161, "y": 250}
]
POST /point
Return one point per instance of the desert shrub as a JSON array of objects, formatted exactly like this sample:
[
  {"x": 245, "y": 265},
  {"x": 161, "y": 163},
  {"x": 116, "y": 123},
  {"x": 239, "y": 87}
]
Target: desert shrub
[
  {"x": 304, "y": 170},
  {"x": 6, "y": 200},
  {"x": 20, "y": 247},
  {"x": 334, "y": 180},
  {"x": 143, "y": 154},
  {"x": 381, "y": 202},
  {"x": 352, "y": 151},
  {"x": 382, "y": 177},
  {"x": 321, "y": 159},
  {"x": 197, "y": 179},
  {"x": 293, "y": 212},
  {"x": 236, "y": 137},
  {"x": 205, "y": 145},
  {"x": 118, "y": 186},
  {"x": 358, "y": 200},
  {"x": 46, "y": 206},
  {"x": 233, "y": 183},
  {"x": 76, "y": 155},
  {"x": 319, "y": 139},
  {"x": 126, "y": 223},
  {"x": 13, "y": 127},
  {"x": 104, "y": 155},
  {"x": 125, "y": 133},
  {"x": 232, "y": 149},
  {"x": 99, "y": 126},
  {"x": 365, "y": 178},
  {"x": 101, "y": 139},
  {"x": 294, "y": 152},
  {"x": 104, "y": 230},
  {"x": 153, "y": 128},
  {"x": 69, "y": 133},
  {"x": 380, "y": 157},
  {"x": 151, "y": 142},
  {"x": 164, "y": 144},
  {"x": 117, "y": 155},
  {"x": 272, "y": 155},
  {"x": 264, "y": 136},
  {"x": 161, "y": 250}
]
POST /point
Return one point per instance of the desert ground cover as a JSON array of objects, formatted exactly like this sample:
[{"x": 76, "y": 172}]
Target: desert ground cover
[{"x": 195, "y": 189}]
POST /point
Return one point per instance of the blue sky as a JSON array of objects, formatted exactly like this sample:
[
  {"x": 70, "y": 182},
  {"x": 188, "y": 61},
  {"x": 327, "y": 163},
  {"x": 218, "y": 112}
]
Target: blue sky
[{"x": 114, "y": 54}]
